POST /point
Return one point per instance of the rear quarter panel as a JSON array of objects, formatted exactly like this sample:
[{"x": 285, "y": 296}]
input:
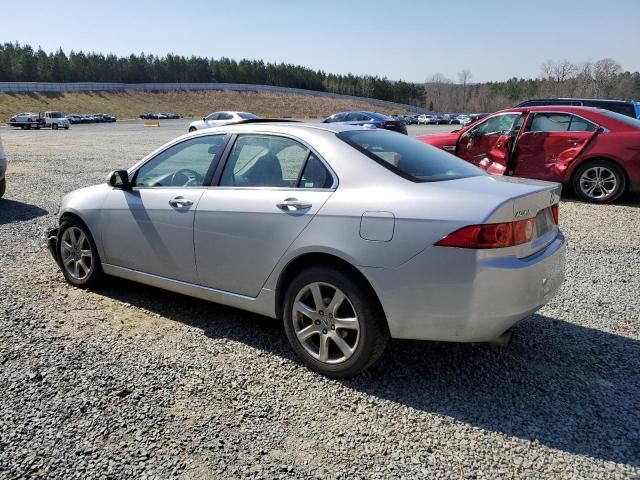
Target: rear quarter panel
[{"x": 621, "y": 147}]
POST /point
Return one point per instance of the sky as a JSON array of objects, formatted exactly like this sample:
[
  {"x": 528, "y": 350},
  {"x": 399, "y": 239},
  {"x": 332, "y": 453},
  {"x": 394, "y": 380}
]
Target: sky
[{"x": 397, "y": 39}]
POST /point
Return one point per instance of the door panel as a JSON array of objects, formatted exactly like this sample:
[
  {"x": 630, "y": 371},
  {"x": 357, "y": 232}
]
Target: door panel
[
  {"x": 488, "y": 142},
  {"x": 240, "y": 234},
  {"x": 144, "y": 232},
  {"x": 546, "y": 155}
]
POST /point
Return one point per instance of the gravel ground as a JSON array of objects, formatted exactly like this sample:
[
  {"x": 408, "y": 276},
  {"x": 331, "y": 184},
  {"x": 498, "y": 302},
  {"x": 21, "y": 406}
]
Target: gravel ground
[{"x": 132, "y": 382}]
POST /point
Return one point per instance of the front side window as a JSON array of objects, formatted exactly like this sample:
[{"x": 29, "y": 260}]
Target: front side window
[
  {"x": 498, "y": 125},
  {"x": 213, "y": 116},
  {"x": 409, "y": 158},
  {"x": 264, "y": 161},
  {"x": 183, "y": 165},
  {"x": 358, "y": 117},
  {"x": 338, "y": 117}
]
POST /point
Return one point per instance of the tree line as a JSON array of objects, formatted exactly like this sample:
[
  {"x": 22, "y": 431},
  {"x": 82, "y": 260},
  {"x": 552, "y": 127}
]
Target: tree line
[
  {"x": 604, "y": 78},
  {"x": 22, "y": 63}
]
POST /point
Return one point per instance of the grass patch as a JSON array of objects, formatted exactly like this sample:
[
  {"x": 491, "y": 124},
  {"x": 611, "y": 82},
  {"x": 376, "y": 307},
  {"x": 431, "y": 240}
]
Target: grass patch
[{"x": 130, "y": 104}]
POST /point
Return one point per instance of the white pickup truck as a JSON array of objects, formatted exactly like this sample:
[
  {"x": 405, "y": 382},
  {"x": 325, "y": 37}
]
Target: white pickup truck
[{"x": 28, "y": 120}]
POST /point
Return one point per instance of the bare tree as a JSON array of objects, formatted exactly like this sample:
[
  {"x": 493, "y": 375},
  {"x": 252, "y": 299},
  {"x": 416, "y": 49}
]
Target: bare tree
[
  {"x": 558, "y": 73},
  {"x": 605, "y": 73},
  {"x": 464, "y": 76},
  {"x": 437, "y": 91}
]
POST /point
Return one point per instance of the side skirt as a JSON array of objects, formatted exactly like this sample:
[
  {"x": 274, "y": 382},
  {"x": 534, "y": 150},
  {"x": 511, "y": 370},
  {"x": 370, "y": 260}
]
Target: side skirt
[{"x": 263, "y": 304}]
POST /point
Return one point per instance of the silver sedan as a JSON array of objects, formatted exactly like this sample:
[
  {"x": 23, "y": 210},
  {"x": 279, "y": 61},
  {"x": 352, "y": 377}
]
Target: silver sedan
[{"x": 349, "y": 235}]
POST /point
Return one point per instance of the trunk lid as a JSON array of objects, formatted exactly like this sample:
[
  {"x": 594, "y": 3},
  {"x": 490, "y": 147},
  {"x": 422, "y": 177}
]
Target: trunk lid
[{"x": 491, "y": 199}]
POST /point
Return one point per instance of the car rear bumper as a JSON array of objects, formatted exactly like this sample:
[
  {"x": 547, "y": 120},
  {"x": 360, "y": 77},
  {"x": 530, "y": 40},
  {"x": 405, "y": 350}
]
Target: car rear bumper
[{"x": 459, "y": 295}]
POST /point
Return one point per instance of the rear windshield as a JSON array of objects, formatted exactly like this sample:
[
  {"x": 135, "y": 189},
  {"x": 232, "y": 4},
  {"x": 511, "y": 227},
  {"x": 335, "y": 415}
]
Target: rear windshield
[
  {"x": 409, "y": 158},
  {"x": 246, "y": 116},
  {"x": 618, "y": 117}
]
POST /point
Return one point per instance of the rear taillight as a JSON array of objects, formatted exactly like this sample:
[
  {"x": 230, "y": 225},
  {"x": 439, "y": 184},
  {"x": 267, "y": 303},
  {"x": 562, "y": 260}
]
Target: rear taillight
[
  {"x": 491, "y": 235},
  {"x": 556, "y": 213}
]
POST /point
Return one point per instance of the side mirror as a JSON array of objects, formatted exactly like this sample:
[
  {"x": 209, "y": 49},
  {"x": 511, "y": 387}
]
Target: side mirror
[
  {"x": 204, "y": 119},
  {"x": 119, "y": 179}
]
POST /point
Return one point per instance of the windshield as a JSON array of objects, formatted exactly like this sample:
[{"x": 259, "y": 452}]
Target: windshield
[
  {"x": 618, "y": 117},
  {"x": 246, "y": 116},
  {"x": 55, "y": 115},
  {"x": 409, "y": 158}
]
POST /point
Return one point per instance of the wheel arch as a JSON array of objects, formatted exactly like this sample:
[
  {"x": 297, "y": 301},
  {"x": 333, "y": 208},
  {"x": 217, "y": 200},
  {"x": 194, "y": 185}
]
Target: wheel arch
[
  {"x": 597, "y": 158},
  {"x": 308, "y": 260}
]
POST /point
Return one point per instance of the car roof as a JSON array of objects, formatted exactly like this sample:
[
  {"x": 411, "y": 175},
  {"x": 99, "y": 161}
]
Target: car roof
[
  {"x": 556, "y": 108},
  {"x": 285, "y": 127}
]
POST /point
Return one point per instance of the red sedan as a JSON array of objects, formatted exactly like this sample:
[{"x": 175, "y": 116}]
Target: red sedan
[{"x": 595, "y": 151}]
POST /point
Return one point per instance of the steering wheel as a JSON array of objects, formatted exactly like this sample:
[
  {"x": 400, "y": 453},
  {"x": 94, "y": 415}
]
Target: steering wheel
[{"x": 185, "y": 177}]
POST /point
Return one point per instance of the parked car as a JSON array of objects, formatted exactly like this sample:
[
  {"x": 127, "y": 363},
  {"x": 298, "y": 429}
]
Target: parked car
[
  {"x": 287, "y": 220},
  {"x": 619, "y": 106},
  {"x": 464, "y": 120},
  {"x": 104, "y": 118},
  {"x": 217, "y": 119},
  {"x": 427, "y": 120},
  {"x": 74, "y": 119},
  {"x": 368, "y": 118},
  {"x": 149, "y": 116},
  {"x": 594, "y": 151},
  {"x": 452, "y": 119},
  {"x": 3, "y": 170},
  {"x": 26, "y": 120},
  {"x": 171, "y": 115}
]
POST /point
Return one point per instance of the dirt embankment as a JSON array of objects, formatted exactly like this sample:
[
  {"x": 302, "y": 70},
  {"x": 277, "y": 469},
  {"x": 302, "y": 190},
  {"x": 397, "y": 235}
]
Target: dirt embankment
[{"x": 131, "y": 104}]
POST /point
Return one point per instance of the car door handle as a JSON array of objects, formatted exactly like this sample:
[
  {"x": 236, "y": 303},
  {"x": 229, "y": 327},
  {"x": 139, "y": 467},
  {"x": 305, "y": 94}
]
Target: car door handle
[
  {"x": 291, "y": 204},
  {"x": 180, "y": 202}
]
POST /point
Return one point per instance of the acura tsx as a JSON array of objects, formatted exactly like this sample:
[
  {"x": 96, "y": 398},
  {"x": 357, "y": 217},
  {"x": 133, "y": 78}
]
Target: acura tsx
[{"x": 350, "y": 235}]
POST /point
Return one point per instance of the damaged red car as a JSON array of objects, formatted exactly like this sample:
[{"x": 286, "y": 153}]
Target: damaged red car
[{"x": 594, "y": 151}]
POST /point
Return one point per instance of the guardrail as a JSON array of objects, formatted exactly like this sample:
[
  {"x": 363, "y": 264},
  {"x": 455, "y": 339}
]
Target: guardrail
[{"x": 36, "y": 87}]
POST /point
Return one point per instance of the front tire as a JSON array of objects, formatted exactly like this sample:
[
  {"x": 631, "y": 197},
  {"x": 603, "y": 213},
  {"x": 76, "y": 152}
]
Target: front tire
[
  {"x": 599, "y": 181},
  {"x": 3, "y": 187},
  {"x": 54, "y": 126},
  {"x": 332, "y": 324},
  {"x": 78, "y": 254},
  {"x": 192, "y": 129}
]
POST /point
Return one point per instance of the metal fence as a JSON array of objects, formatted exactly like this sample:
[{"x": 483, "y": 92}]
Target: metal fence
[{"x": 33, "y": 87}]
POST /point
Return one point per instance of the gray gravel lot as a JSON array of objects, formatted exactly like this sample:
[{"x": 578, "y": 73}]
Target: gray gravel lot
[{"x": 133, "y": 382}]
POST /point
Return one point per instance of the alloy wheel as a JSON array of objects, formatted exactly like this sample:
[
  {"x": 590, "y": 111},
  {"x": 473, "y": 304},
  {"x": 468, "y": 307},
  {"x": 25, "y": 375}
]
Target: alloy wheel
[
  {"x": 75, "y": 254},
  {"x": 598, "y": 182},
  {"x": 325, "y": 323}
]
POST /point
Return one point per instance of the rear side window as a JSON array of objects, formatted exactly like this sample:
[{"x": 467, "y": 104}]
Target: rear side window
[
  {"x": 273, "y": 161},
  {"x": 246, "y": 116},
  {"x": 225, "y": 116},
  {"x": 558, "y": 122},
  {"x": 407, "y": 157}
]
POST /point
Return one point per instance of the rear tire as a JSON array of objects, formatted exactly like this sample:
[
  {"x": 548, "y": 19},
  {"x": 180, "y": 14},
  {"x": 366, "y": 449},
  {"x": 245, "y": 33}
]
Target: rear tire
[
  {"x": 3, "y": 186},
  {"x": 599, "y": 181},
  {"x": 343, "y": 335},
  {"x": 78, "y": 255}
]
